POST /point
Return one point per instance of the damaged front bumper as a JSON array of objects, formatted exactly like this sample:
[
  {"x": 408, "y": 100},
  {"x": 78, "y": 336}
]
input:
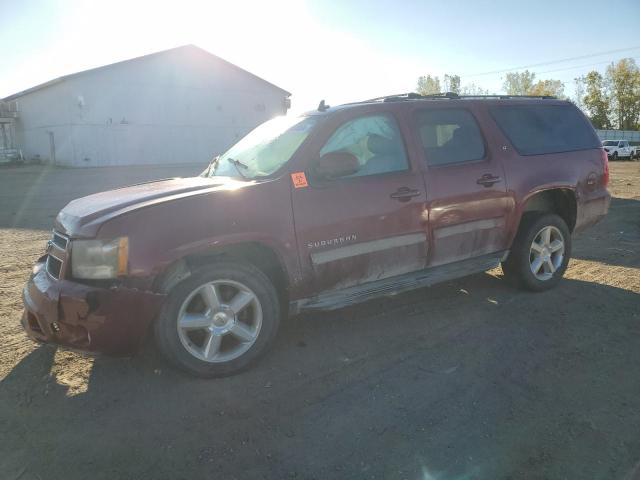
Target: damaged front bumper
[{"x": 112, "y": 320}]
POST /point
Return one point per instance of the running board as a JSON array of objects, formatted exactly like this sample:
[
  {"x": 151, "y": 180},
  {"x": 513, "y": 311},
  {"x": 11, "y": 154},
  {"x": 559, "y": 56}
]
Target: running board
[{"x": 334, "y": 299}]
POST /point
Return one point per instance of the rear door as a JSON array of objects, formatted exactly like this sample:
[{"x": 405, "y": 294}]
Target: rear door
[
  {"x": 466, "y": 189},
  {"x": 367, "y": 226}
]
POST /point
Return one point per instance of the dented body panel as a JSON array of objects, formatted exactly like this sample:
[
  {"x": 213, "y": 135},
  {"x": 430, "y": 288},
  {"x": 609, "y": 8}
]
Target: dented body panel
[{"x": 99, "y": 320}]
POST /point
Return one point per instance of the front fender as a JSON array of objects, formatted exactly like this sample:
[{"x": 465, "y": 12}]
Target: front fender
[{"x": 163, "y": 234}]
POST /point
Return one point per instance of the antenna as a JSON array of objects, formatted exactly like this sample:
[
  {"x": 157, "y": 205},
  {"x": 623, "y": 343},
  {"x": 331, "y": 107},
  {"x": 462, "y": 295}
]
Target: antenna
[{"x": 322, "y": 107}]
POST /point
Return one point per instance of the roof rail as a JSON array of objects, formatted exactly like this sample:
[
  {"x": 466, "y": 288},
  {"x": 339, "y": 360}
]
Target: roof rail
[
  {"x": 450, "y": 95},
  {"x": 506, "y": 97}
]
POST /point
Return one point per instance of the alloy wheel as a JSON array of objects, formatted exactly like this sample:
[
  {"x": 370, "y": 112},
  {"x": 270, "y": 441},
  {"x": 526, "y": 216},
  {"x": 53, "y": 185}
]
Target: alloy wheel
[
  {"x": 546, "y": 253},
  {"x": 219, "y": 321}
]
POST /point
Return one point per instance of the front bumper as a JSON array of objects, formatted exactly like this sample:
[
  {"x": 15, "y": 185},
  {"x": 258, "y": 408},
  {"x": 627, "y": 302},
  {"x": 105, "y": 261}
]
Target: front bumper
[{"x": 81, "y": 317}]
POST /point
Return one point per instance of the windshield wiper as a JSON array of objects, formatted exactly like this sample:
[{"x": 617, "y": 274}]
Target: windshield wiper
[
  {"x": 212, "y": 165},
  {"x": 238, "y": 164}
]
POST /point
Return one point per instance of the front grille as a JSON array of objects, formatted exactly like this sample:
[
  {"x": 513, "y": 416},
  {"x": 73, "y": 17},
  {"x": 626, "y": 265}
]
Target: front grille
[
  {"x": 54, "y": 266},
  {"x": 57, "y": 253},
  {"x": 60, "y": 240}
]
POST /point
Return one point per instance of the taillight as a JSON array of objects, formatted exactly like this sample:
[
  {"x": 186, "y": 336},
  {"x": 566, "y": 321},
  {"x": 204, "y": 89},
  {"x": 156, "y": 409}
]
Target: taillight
[{"x": 605, "y": 173}]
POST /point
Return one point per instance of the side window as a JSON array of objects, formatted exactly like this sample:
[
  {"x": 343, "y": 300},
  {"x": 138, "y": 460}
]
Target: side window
[
  {"x": 374, "y": 140},
  {"x": 540, "y": 128},
  {"x": 449, "y": 136}
]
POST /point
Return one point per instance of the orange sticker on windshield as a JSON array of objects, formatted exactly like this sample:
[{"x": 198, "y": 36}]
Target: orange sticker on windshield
[{"x": 299, "y": 180}]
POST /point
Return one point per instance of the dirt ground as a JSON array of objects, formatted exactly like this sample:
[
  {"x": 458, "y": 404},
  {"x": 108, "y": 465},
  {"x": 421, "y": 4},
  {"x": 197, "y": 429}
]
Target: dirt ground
[{"x": 467, "y": 380}]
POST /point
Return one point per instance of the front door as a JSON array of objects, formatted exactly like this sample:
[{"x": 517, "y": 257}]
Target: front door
[
  {"x": 625, "y": 150},
  {"x": 467, "y": 198},
  {"x": 366, "y": 226}
]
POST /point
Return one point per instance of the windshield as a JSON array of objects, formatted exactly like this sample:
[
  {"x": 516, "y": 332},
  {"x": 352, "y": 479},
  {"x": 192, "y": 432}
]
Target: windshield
[
  {"x": 265, "y": 149},
  {"x": 610, "y": 143}
]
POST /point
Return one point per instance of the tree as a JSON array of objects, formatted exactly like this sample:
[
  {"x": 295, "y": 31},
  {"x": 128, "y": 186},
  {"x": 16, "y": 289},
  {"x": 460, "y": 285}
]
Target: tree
[
  {"x": 519, "y": 83},
  {"x": 554, "y": 88},
  {"x": 452, "y": 83},
  {"x": 623, "y": 83},
  {"x": 579, "y": 93},
  {"x": 524, "y": 83},
  {"x": 473, "y": 89},
  {"x": 428, "y": 85},
  {"x": 596, "y": 101}
]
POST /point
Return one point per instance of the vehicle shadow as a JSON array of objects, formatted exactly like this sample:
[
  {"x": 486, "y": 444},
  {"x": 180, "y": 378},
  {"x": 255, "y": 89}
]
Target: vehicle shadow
[{"x": 471, "y": 379}]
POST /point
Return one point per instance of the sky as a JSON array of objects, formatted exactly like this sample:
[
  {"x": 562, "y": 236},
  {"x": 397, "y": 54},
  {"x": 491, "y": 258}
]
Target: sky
[{"x": 339, "y": 51}]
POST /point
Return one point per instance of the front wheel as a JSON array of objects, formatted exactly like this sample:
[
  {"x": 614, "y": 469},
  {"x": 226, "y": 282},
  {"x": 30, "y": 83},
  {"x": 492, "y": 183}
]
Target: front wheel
[
  {"x": 540, "y": 252},
  {"x": 219, "y": 320}
]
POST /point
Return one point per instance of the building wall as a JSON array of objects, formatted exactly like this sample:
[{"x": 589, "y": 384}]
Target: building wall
[
  {"x": 41, "y": 112},
  {"x": 630, "y": 135},
  {"x": 181, "y": 106}
]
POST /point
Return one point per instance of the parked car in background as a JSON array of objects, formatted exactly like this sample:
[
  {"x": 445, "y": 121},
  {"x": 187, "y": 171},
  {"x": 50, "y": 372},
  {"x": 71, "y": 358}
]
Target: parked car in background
[
  {"x": 318, "y": 212},
  {"x": 618, "y": 149},
  {"x": 11, "y": 155}
]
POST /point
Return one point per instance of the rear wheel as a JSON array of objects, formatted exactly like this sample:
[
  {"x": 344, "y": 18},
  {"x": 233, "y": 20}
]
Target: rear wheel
[
  {"x": 219, "y": 320},
  {"x": 614, "y": 156},
  {"x": 540, "y": 252}
]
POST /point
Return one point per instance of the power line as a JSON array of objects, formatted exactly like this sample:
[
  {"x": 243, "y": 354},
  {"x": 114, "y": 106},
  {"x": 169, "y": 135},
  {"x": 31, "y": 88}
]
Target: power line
[
  {"x": 579, "y": 66},
  {"x": 542, "y": 64}
]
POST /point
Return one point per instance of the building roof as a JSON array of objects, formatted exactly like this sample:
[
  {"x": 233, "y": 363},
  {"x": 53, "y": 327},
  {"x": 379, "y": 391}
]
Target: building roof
[{"x": 162, "y": 52}]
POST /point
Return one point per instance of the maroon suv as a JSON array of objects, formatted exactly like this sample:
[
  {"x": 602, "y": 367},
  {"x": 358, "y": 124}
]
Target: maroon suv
[{"x": 320, "y": 211}]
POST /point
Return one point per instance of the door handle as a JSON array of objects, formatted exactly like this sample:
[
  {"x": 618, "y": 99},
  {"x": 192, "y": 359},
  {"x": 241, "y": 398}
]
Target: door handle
[
  {"x": 488, "y": 180},
  {"x": 404, "y": 194}
]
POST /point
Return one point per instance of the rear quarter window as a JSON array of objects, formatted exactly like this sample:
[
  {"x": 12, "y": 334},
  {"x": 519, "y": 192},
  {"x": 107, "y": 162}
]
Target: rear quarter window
[{"x": 541, "y": 129}]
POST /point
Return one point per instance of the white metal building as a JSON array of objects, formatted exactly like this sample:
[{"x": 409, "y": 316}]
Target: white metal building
[
  {"x": 630, "y": 135},
  {"x": 182, "y": 105}
]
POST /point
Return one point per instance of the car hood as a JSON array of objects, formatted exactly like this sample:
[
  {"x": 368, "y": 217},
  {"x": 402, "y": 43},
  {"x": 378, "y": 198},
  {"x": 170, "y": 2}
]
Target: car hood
[{"x": 80, "y": 215}]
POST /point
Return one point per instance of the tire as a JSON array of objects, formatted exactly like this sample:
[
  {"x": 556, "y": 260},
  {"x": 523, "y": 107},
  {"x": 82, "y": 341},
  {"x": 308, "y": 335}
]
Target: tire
[
  {"x": 219, "y": 320},
  {"x": 523, "y": 257},
  {"x": 614, "y": 156}
]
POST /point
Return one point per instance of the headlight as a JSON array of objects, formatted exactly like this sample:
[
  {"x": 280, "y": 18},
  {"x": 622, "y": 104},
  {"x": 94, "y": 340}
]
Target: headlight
[{"x": 99, "y": 259}]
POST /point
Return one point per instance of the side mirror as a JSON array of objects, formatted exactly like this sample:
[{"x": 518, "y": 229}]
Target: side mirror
[{"x": 335, "y": 165}]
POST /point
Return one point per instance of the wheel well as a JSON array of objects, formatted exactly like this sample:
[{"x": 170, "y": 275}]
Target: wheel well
[
  {"x": 257, "y": 254},
  {"x": 561, "y": 201}
]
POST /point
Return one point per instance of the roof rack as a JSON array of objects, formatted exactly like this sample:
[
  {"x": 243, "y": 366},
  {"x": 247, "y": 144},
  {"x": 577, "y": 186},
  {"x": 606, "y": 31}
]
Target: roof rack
[
  {"x": 450, "y": 95},
  {"x": 323, "y": 107}
]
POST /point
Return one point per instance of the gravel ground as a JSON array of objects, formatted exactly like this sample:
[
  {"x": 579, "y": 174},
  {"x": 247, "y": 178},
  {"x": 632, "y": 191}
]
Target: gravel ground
[{"x": 467, "y": 380}]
